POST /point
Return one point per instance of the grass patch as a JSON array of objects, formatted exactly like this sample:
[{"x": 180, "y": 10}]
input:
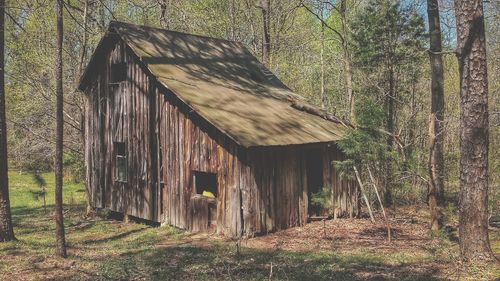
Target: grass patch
[{"x": 101, "y": 249}]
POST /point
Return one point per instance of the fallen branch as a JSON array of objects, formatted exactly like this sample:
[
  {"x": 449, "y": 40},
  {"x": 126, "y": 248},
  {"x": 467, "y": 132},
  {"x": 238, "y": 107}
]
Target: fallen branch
[
  {"x": 364, "y": 194},
  {"x": 396, "y": 137},
  {"x": 302, "y": 106},
  {"x": 271, "y": 272},
  {"x": 387, "y": 224}
]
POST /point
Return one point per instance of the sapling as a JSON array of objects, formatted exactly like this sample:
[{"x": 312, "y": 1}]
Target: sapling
[{"x": 40, "y": 181}]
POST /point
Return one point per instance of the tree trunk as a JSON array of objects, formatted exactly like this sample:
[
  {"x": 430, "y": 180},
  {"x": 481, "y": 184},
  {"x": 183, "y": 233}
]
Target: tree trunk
[
  {"x": 433, "y": 194},
  {"x": 474, "y": 135},
  {"x": 6, "y": 230},
  {"x": 348, "y": 78},
  {"x": 368, "y": 206},
  {"x": 266, "y": 38},
  {"x": 163, "y": 14},
  {"x": 387, "y": 223},
  {"x": 347, "y": 58},
  {"x": 322, "y": 59},
  {"x": 89, "y": 210},
  {"x": 85, "y": 39},
  {"x": 60, "y": 239},
  {"x": 390, "y": 139},
  {"x": 232, "y": 20},
  {"x": 436, "y": 164}
]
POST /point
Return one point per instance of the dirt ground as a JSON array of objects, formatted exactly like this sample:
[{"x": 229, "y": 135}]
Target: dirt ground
[
  {"x": 411, "y": 249},
  {"x": 343, "y": 249}
]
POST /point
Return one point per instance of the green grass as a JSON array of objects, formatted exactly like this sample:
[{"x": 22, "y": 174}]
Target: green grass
[
  {"x": 26, "y": 194},
  {"x": 104, "y": 249}
]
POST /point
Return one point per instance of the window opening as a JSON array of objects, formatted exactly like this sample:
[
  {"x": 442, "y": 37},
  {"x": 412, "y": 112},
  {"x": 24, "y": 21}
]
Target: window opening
[
  {"x": 118, "y": 72},
  {"x": 121, "y": 161},
  {"x": 205, "y": 183}
]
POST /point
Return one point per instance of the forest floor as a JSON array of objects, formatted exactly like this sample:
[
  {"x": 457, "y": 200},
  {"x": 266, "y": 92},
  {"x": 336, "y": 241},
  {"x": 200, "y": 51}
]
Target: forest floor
[{"x": 105, "y": 249}]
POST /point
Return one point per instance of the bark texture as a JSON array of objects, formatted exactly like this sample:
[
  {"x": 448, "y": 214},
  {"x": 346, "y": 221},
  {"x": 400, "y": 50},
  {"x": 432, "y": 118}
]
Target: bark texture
[
  {"x": 266, "y": 40},
  {"x": 436, "y": 164},
  {"x": 60, "y": 239},
  {"x": 164, "y": 21},
  {"x": 6, "y": 231},
  {"x": 322, "y": 59},
  {"x": 389, "y": 103},
  {"x": 474, "y": 136},
  {"x": 347, "y": 57}
]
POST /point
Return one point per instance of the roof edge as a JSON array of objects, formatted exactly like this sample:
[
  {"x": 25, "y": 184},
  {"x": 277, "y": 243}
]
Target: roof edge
[{"x": 113, "y": 33}]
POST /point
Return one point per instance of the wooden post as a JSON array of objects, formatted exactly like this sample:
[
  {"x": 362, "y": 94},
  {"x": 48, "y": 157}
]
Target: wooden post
[
  {"x": 387, "y": 224},
  {"x": 364, "y": 194}
]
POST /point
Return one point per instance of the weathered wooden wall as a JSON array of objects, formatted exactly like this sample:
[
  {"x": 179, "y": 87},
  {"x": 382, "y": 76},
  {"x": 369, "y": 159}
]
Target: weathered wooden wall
[
  {"x": 260, "y": 190},
  {"x": 120, "y": 112}
]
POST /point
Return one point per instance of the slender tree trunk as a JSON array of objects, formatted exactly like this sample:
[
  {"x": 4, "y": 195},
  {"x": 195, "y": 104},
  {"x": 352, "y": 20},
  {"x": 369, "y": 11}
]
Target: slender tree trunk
[
  {"x": 322, "y": 58},
  {"x": 250, "y": 20},
  {"x": 85, "y": 36},
  {"x": 89, "y": 210},
  {"x": 60, "y": 239},
  {"x": 474, "y": 135},
  {"x": 6, "y": 230},
  {"x": 433, "y": 194},
  {"x": 266, "y": 37},
  {"x": 83, "y": 54},
  {"x": 387, "y": 223},
  {"x": 347, "y": 58},
  {"x": 164, "y": 22},
  {"x": 348, "y": 78},
  {"x": 390, "y": 139},
  {"x": 363, "y": 193},
  {"x": 436, "y": 164},
  {"x": 232, "y": 19}
]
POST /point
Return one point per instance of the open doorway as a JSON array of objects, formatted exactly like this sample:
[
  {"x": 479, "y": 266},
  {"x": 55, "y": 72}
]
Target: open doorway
[
  {"x": 206, "y": 186},
  {"x": 314, "y": 173}
]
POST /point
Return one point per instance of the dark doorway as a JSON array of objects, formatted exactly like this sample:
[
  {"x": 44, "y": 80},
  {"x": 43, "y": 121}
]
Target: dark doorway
[{"x": 314, "y": 172}]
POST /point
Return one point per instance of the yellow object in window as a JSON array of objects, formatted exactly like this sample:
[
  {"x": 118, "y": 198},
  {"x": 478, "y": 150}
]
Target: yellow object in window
[{"x": 208, "y": 194}]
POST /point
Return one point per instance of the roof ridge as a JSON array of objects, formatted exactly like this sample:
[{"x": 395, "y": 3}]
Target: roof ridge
[
  {"x": 224, "y": 90},
  {"x": 113, "y": 22}
]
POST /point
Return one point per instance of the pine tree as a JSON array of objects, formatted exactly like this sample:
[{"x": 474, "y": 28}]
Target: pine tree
[
  {"x": 387, "y": 39},
  {"x": 474, "y": 130}
]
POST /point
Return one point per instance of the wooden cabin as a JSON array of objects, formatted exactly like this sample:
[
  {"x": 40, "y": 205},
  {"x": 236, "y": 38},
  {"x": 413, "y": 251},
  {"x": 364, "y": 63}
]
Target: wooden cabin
[{"x": 194, "y": 132}]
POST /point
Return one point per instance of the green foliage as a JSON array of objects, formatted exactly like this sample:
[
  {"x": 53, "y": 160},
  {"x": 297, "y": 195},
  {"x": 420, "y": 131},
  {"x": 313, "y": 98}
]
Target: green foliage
[
  {"x": 74, "y": 166},
  {"x": 386, "y": 33},
  {"x": 366, "y": 144},
  {"x": 388, "y": 43},
  {"x": 323, "y": 198},
  {"x": 383, "y": 33}
]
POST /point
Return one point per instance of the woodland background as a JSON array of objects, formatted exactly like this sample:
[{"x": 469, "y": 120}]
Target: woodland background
[
  {"x": 308, "y": 40},
  {"x": 363, "y": 60}
]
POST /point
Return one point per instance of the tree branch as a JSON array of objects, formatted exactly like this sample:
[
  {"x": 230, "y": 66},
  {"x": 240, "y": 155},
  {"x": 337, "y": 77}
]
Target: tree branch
[{"x": 342, "y": 39}]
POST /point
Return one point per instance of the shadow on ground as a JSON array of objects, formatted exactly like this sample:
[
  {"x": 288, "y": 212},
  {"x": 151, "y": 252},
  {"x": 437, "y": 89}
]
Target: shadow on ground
[
  {"x": 220, "y": 262},
  {"x": 102, "y": 249}
]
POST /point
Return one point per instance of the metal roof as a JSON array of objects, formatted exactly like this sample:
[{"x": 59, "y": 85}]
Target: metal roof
[{"x": 225, "y": 84}]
